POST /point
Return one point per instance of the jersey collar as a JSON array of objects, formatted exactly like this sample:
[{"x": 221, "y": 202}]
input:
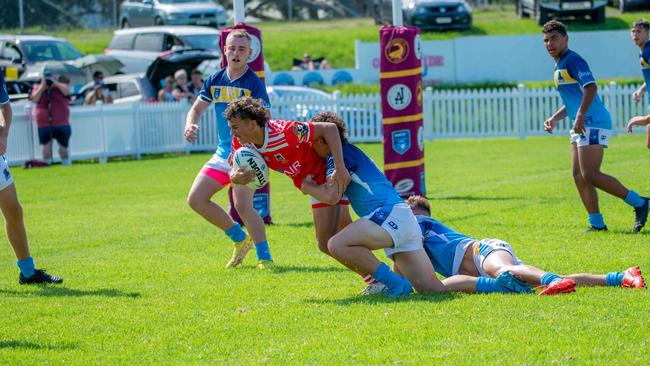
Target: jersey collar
[{"x": 238, "y": 77}]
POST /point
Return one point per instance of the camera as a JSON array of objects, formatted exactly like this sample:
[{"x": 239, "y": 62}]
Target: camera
[{"x": 48, "y": 78}]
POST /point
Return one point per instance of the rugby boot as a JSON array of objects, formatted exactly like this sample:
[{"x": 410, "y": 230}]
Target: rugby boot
[
  {"x": 563, "y": 286},
  {"x": 39, "y": 277},
  {"x": 240, "y": 249},
  {"x": 632, "y": 278},
  {"x": 641, "y": 215},
  {"x": 513, "y": 284}
]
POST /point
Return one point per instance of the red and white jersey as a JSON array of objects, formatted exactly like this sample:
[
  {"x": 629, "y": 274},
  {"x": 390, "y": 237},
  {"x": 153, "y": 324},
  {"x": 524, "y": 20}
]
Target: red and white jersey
[{"x": 288, "y": 149}]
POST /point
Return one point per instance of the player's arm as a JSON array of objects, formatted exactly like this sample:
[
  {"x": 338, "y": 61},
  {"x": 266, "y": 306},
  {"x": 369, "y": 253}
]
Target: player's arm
[
  {"x": 639, "y": 93},
  {"x": 588, "y": 94},
  {"x": 550, "y": 123},
  {"x": 6, "y": 113},
  {"x": 327, "y": 193},
  {"x": 330, "y": 133},
  {"x": 38, "y": 90},
  {"x": 192, "y": 119},
  {"x": 638, "y": 121}
]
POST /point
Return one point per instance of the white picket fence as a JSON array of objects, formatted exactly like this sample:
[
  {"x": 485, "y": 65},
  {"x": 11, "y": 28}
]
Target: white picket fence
[{"x": 147, "y": 128}]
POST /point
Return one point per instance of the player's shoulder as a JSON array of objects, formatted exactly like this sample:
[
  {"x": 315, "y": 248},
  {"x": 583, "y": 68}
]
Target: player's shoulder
[
  {"x": 216, "y": 77},
  {"x": 573, "y": 57}
]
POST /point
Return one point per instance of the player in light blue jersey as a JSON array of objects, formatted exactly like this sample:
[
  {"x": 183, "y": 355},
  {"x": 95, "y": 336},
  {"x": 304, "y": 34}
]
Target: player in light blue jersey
[
  {"x": 453, "y": 253},
  {"x": 235, "y": 81},
  {"x": 591, "y": 129},
  {"x": 386, "y": 222},
  {"x": 639, "y": 33}
]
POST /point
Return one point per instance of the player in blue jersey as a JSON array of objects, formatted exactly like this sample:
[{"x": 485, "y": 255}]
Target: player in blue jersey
[
  {"x": 639, "y": 34},
  {"x": 10, "y": 206},
  {"x": 386, "y": 222},
  {"x": 235, "y": 81},
  {"x": 453, "y": 253},
  {"x": 591, "y": 129}
]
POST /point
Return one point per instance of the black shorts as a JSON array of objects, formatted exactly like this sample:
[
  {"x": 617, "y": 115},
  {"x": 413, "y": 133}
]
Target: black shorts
[{"x": 60, "y": 133}]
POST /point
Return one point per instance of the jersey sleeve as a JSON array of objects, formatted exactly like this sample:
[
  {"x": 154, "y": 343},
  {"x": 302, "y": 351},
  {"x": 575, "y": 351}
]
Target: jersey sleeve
[
  {"x": 645, "y": 54},
  {"x": 4, "y": 95},
  {"x": 258, "y": 91},
  {"x": 579, "y": 70},
  {"x": 205, "y": 94}
]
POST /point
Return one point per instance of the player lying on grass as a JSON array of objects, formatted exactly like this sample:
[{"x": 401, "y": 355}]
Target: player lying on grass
[
  {"x": 640, "y": 121},
  {"x": 386, "y": 222},
  {"x": 453, "y": 253}
]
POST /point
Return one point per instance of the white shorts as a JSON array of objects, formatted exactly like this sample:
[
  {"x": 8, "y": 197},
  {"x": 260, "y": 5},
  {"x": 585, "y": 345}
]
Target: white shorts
[
  {"x": 5, "y": 174},
  {"x": 592, "y": 136},
  {"x": 482, "y": 249},
  {"x": 401, "y": 225}
]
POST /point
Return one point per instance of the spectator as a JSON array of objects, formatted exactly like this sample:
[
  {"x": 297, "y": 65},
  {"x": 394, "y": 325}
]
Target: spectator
[
  {"x": 98, "y": 94},
  {"x": 52, "y": 114},
  {"x": 308, "y": 63},
  {"x": 166, "y": 93},
  {"x": 196, "y": 82},
  {"x": 182, "y": 90},
  {"x": 98, "y": 77}
]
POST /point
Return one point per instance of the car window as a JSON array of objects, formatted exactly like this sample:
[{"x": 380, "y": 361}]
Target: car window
[
  {"x": 171, "y": 41},
  {"x": 149, "y": 42},
  {"x": 205, "y": 41},
  {"x": 50, "y": 50},
  {"x": 122, "y": 41},
  {"x": 10, "y": 52},
  {"x": 127, "y": 89}
]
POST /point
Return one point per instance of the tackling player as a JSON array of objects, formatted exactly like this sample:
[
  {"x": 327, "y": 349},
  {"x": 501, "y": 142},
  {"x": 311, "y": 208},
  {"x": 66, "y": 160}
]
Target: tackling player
[
  {"x": 452, "y": 253},
  {"x": 591, "y": 129},
  {"x": 223, "y": 87}
]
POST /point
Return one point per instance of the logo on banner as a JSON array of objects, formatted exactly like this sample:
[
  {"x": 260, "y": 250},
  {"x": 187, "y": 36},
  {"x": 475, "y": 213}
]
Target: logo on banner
[
  {"x": 401, "y": 141},
  {"x": 255, "y": 47},
  {"x": 399, "y": 96},
  {"x": 418, "y": 47},
  {"x": 418, "y": 93},
  {"x": 396, "y": 50},
  {"x": 421, "y": 138},
  {"x": 404, "y": 185},
  {"x": 261, "y": 204}
]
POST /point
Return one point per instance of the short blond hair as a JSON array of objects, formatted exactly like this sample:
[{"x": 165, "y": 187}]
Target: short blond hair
[
  {"x": 238, "y": 33},
  {"x": 180, "y": 72}
]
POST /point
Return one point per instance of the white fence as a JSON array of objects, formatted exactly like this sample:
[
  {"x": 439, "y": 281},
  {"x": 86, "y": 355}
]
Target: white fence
[{"x": 147, "y": 128}]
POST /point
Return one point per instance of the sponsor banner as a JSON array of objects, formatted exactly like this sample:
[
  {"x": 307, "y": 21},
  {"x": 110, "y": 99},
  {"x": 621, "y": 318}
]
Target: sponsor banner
[
  {"x": 256, "y": 60},
  {"x": 401, "y": 105}
]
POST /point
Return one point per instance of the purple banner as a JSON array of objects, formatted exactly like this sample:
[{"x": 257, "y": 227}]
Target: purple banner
[{"x": 401, "y": 104}]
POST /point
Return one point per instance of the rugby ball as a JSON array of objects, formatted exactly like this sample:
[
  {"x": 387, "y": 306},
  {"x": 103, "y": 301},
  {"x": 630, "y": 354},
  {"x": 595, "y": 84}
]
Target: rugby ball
[{"x": 249, "y": 159}]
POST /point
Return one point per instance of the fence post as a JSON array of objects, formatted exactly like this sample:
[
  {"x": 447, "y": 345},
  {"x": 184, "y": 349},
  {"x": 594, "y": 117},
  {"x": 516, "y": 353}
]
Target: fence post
[
  {"x": 136, "y": 126},
  {"x": 103, "y": 159},
  {"x": 336, "y": 95},
  {"x": 428, "y": 113},
  {"x": 521, "y": 111},
  {"x": 613, "y": 105}
]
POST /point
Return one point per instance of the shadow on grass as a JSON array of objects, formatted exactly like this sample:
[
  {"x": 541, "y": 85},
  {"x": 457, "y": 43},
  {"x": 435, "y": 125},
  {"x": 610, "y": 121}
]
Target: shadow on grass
[
  {"x": 286, "y": 269},
  {"x": 383, "y": 299},
  {"x": 46, "y": 291},
  {"x": 296, "y": 224},
  {"x": 29, "y": 345},
  {"x": 475, "y": 198}
]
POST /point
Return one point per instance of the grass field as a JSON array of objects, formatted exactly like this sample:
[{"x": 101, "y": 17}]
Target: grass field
[{"x": 145, "y": 281}]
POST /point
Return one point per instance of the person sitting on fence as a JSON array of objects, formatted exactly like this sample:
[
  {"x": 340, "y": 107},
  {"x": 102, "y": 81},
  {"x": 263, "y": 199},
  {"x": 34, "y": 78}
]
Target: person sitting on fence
[
  {"x": 196, "y": 81},
  {"x": 98, "y": 93},
  {"x": 182, "y": 90},
  {"x": 166, "y": 93}
]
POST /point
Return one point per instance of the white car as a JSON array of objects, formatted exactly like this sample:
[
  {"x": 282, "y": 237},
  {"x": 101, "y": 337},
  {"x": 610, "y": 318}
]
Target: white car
[{"x": 136, "y": 48}]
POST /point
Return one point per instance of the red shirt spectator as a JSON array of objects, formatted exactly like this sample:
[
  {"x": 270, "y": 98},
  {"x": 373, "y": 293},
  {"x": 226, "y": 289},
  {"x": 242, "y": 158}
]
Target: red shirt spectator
[{"x": 56, "y": 95}]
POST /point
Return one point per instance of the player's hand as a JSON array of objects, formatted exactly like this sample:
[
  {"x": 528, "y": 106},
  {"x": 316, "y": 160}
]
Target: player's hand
[
  {"x": 342, "y": 178},
  {"x": 191, "y": 132},
  {"x": 549, "y": 125},
  {"x": 635, "y": 121},
  {"x": 637, "y": 95},
  {"x": 579, "y": 125},
  {"x": 241, "y": 176},
  {"x": 3, "y": 145}
]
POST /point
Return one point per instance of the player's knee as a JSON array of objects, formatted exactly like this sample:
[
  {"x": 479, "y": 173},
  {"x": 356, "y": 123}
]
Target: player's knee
[
  {"x": 589, "y": 176},
  {"x": 335, "y": 248},
  {"x": 322, "y": 246},
  {"x": 195, "y": 201},
  {"x": 577, "y": 175},
  {"x": 244, "y": 208}
]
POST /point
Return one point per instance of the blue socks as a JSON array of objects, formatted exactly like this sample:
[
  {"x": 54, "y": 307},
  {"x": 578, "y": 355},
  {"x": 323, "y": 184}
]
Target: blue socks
[
  {"x": 236, "y": 233},
  {"x": 486, "y": 285},
  {"x": 389, "y": 278},
  {"x": 614, "y": 278},
  {"x": 549, "y": 278},
  {"x": 26, "y": 266},
  {"x": 633, "y": 199},
  {"x": 596, "y": 220},
  {"x": 263, "y": 251}
]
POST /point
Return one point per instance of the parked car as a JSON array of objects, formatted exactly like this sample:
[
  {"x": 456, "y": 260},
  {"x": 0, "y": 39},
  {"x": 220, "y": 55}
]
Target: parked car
[
  {"x": 544, "y": 10},
  {"x": 627, "y": 5},
  {"x": 137, "y": 48},
  {"x": 18, "y": 90},
  {"x": 142, "y": 13},
  {"x": 129, "y": 88},
  {"x": 428, "y": 14}
]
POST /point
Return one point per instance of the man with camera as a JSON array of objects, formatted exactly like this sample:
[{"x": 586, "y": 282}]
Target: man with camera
[{"x": 52, "y": 112}]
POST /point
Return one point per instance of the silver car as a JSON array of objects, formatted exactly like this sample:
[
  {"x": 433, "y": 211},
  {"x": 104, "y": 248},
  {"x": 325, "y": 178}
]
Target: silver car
[{"x": 142, "y": 13}]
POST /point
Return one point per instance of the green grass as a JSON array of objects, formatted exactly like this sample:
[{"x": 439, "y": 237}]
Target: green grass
[{"x": 145, "y": 281}]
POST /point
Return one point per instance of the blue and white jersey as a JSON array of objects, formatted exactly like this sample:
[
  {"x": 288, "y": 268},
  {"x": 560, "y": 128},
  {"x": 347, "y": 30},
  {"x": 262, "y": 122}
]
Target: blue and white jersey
[
  {"x": 369, "y": 189},
  {"x": 4, "y": 95},
  {"x": 220, "y": 90},
  {"x": 444, "y": 246},
  {"x": 572, "y": 74},
  {"x": 644, "y": 56}
]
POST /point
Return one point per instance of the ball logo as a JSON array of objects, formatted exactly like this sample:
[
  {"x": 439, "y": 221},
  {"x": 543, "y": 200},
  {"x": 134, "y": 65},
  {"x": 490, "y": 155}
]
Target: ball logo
[
  {"x": 256, "y": 46},
  {"x": 396, "y": 50},
  {"x": 399, "y": 96},
  {"x": 259, "y": 172},
  {"x": 418, "y": 47},
  {"x": 404, "y": 185}
]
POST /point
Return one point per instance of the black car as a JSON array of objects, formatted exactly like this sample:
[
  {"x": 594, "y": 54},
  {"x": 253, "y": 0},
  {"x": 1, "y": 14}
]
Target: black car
[
  {"x": 545, "y": 10},
  {"x": 627, "y": 5},
  {"x": 428, "y": 14}
]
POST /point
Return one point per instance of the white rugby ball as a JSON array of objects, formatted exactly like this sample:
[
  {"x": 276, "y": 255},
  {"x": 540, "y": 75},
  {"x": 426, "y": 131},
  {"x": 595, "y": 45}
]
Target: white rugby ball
[{"x": 249, "y": 159}]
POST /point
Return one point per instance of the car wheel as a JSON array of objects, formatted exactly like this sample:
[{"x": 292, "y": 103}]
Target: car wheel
[
  {"x": 125, "y": 24},
  {"x": 598, "y": 16},
  {"x": 158, "y": 21}
]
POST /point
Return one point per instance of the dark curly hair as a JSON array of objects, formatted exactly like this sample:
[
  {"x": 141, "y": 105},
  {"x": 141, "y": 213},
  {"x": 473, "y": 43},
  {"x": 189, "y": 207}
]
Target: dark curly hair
[
  {"x": 642, "y": 24},
  {"x": 554, "y": 26},
  {"x": 332, "y": 117},
  {"x": 249, "y": 109}
]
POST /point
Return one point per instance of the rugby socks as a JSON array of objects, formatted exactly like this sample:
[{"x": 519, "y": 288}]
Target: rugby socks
[
  {"x": 485, "y": 285},
  {"x": 596, "y": 220},
  {"x": 549, "y": 278},
  {"x": 26, "y": 266},
  {"x": 369, "y": 280},
  {"x": 263, "y": 251},
  {"x": 236, "y": 233},
  {"x": 633, "y": 199},
  {"x": 389, "y": 278},
  {"x": 614, "y": 278}
]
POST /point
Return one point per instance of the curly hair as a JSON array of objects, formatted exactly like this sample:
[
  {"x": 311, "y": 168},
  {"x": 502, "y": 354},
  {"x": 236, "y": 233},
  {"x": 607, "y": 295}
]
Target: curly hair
[
  {"x": 419, "y": 202},
  {"x": 642, "y": 24},
  {"x": 332, "y": 117},
  {"x": 248, "y": 108},
  {"x": 554, "y": 26}
]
